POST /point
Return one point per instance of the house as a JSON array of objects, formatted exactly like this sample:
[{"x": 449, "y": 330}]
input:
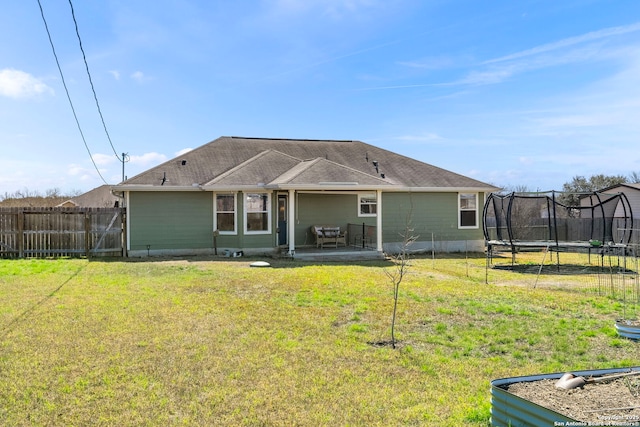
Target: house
[
  {"x": 260, "y": 195},
  {"x": 621, "y": 202},
  {"x": 99, "y": 197},
  {"x": 627, "y": 208},
  {"x": 632, "y": 193}
]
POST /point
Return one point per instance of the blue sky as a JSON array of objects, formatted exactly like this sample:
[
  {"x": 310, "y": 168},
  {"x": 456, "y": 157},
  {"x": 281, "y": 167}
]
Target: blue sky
[{"x": 513, "y": 93}]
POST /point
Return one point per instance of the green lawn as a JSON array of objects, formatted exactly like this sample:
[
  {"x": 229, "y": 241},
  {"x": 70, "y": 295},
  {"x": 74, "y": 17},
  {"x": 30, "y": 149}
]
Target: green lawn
[{"x": 200, "y": 342}]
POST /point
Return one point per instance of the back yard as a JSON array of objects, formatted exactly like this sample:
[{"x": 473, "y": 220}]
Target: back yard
[{"x": 200, "y": 342}]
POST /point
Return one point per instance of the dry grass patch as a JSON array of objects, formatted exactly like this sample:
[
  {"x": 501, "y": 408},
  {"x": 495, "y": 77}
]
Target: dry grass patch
[{"x": 219, "y": 343}]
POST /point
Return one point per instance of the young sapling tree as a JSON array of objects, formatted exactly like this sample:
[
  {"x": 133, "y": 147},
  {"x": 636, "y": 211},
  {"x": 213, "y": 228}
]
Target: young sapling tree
[{"x": 399, "y": 270}]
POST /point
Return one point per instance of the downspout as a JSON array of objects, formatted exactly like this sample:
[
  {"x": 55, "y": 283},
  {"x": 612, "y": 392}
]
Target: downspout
[
  {"x": 291, "y": 222},
  {"x": 379, "y": 221}
]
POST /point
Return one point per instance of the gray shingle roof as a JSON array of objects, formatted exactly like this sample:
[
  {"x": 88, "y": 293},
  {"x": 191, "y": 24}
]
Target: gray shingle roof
[
  {"x": 261, "y": 168},
  {"x": 229, "y": 161},
  {"x": 322, "y": 171}
]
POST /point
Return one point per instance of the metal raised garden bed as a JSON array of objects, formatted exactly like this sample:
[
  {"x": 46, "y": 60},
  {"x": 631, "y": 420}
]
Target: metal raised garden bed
[
  {"x": 628, "y": 329},
  {"x": 509, "y": 410}
]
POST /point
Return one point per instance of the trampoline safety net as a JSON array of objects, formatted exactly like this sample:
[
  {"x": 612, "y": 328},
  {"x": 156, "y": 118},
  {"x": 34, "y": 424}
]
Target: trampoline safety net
[{"x": 540, "y": 217}]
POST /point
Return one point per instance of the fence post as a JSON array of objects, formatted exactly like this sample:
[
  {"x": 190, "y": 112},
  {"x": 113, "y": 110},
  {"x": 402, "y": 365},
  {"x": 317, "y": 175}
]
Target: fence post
[
  {"x": 20, "y": 233},
  {"x": 87, "y": 230}
]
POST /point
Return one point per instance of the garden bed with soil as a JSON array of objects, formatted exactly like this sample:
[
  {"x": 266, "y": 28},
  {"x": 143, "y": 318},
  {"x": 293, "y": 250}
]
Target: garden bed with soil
[{"x": 613, "y": 403}]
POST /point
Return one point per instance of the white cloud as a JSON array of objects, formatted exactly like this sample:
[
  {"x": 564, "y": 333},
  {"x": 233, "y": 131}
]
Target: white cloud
[
  {"x": 75, "y": 170},
  {"x": 434, "y": 63},
  {"x": 138, "y": 76},
  {"x": 104, "y": 159},
  {"x": 82, "y": 174},
  {"x": 140, "y": 163},
  {"x": 501, "y": 177},
  {"x": 493, "y": 76},
  {"x": 586, "y": 47},
  {"x": 115, "y": 74},
  {"x": 183, "y": 151},
  {"x": 18, "y": 84},
  {"x": 576, "y": 121},
  {"x": 110, "y": 168},
  {"x": 571, "y": 41},
  {"x": 147, "y": 159},
  {"x": 293, "y": 6},
  {"x": 526, "y": 160},
  {"x": 606, "y": 110},
  {"x": 335, "y": 9},
  {"x": 499, "y": 72}
]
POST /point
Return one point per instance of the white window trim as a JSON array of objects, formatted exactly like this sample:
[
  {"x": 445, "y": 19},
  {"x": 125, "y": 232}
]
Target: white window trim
[
  {"x": 358, "y": 205},
  {"x": 467, "y": 227},
  {"x": 245, "y": 212},
  {"x": 235, "y": 214}
]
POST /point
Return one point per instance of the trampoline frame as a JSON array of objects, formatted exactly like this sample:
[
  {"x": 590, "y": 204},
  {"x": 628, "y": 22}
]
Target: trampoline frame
[{"x": 603, "y": 243}]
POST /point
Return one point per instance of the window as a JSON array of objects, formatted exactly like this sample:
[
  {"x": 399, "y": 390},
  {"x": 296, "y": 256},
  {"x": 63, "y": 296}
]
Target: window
[
  {"x": 257, "y": 213},
  {"x": 367, "y": 204},
  {"x": 468, "y": 204},
  {"x": 225, "y": 213}
]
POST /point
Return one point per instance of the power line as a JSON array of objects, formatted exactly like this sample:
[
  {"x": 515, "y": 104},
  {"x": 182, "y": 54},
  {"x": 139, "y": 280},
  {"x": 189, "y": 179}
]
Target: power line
[
  {"x": 53, "y": 49},
  {"x": 95, "y": 97}
]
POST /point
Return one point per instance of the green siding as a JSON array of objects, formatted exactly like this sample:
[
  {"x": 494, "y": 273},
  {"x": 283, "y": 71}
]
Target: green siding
[
  {"x": 257, "y": 241},
  {"x": 184, "y": 220},
  {"x": 248, "y": 241},
  {"x": 326, "y": 209},
  {"x": 435, "y": 213},
  {"x": 170, "y": 220}
]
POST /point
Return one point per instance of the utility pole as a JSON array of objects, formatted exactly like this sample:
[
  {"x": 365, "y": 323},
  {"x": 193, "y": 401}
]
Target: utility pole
[{"x": 125, "y": 158}]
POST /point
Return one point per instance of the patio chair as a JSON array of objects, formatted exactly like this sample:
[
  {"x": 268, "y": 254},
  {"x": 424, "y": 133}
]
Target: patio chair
[{"x": 325, "y": 234}]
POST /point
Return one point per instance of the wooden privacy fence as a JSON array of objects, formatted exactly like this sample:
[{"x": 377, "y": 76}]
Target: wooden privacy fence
[{"x": 58, "y": 232}]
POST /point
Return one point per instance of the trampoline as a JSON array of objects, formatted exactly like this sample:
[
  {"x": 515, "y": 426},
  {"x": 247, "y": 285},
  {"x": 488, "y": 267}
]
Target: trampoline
[{"x": 518, "y": 221}]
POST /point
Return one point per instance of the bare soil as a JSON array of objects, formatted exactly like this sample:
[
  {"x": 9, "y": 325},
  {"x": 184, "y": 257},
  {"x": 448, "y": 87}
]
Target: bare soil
[{"x": 613, "y": 403}]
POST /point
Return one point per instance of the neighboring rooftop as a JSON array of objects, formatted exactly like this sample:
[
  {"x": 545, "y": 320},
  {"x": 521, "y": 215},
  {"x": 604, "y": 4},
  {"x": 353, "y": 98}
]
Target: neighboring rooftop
[{"x": 99, "y": 197}]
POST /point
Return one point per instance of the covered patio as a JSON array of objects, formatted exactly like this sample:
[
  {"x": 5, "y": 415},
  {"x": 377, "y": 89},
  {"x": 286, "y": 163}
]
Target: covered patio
[
  {"x": 359, "y": 244},
  {"x": 326, "y": 219}
]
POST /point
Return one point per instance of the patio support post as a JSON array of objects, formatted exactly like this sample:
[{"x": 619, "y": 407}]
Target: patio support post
[
  {"x": 291, "y": 222},
  {"x": 379, "y": 221}
]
